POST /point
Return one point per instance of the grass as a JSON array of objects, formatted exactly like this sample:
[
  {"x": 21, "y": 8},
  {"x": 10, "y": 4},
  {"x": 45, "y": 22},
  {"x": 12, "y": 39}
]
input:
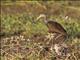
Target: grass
[
  {"x": 22, "y": 23},
  {"x": 12, "y": 24},
  {"x": 25, "y": 38}
]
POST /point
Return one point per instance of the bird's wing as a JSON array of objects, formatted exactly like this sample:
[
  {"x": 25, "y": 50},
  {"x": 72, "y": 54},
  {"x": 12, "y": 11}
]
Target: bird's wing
[{"x": 56, "y": 27}]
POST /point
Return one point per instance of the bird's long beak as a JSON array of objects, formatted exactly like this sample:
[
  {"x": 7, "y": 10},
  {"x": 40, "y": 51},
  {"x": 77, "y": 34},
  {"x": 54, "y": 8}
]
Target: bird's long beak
[{"x": 38, "y": 18}]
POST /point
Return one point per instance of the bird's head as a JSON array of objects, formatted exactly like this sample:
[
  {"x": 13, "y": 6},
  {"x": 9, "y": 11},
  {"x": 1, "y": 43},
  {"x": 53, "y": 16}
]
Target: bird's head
[{"x": 42, "y": 17}]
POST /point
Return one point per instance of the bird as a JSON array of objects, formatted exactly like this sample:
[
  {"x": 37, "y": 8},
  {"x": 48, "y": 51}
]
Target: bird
[{"x": 54, "y": 27}]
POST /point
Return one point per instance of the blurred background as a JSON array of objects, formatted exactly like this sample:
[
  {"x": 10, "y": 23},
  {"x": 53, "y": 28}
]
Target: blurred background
[{"x": 18, "y": 16}]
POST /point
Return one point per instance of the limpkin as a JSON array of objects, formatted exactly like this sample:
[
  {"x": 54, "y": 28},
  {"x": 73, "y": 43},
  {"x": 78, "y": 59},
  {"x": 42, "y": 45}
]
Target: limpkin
[{"x": 54, "y": 27}]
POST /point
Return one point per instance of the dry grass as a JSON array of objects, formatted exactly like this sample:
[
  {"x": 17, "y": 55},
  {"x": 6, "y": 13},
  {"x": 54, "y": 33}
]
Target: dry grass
[
  {"x": 36, "y": 48},
  {"x": 21, "y": 39}
]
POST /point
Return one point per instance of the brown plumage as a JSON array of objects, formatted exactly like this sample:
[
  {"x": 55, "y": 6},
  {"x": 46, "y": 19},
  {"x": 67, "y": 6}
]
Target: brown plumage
[{"x": 55, "y": 27}]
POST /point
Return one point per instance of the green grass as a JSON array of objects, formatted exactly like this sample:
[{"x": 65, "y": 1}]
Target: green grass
[
  {"x": 23, "y": 23},
  {"x": 11, "y": 24}
]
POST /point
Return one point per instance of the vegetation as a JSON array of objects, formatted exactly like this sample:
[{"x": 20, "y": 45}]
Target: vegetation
[{"x": 19, "y": 18}]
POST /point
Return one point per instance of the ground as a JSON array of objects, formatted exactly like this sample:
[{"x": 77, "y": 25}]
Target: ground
[{"x": 22, "y": 39}]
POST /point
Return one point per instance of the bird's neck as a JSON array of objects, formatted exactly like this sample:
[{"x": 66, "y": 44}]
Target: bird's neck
[{"x": 45, "y": 21}]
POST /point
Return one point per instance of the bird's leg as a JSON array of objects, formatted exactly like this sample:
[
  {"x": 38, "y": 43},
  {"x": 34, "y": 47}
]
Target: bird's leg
[{"x": 59, "y": 35}]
